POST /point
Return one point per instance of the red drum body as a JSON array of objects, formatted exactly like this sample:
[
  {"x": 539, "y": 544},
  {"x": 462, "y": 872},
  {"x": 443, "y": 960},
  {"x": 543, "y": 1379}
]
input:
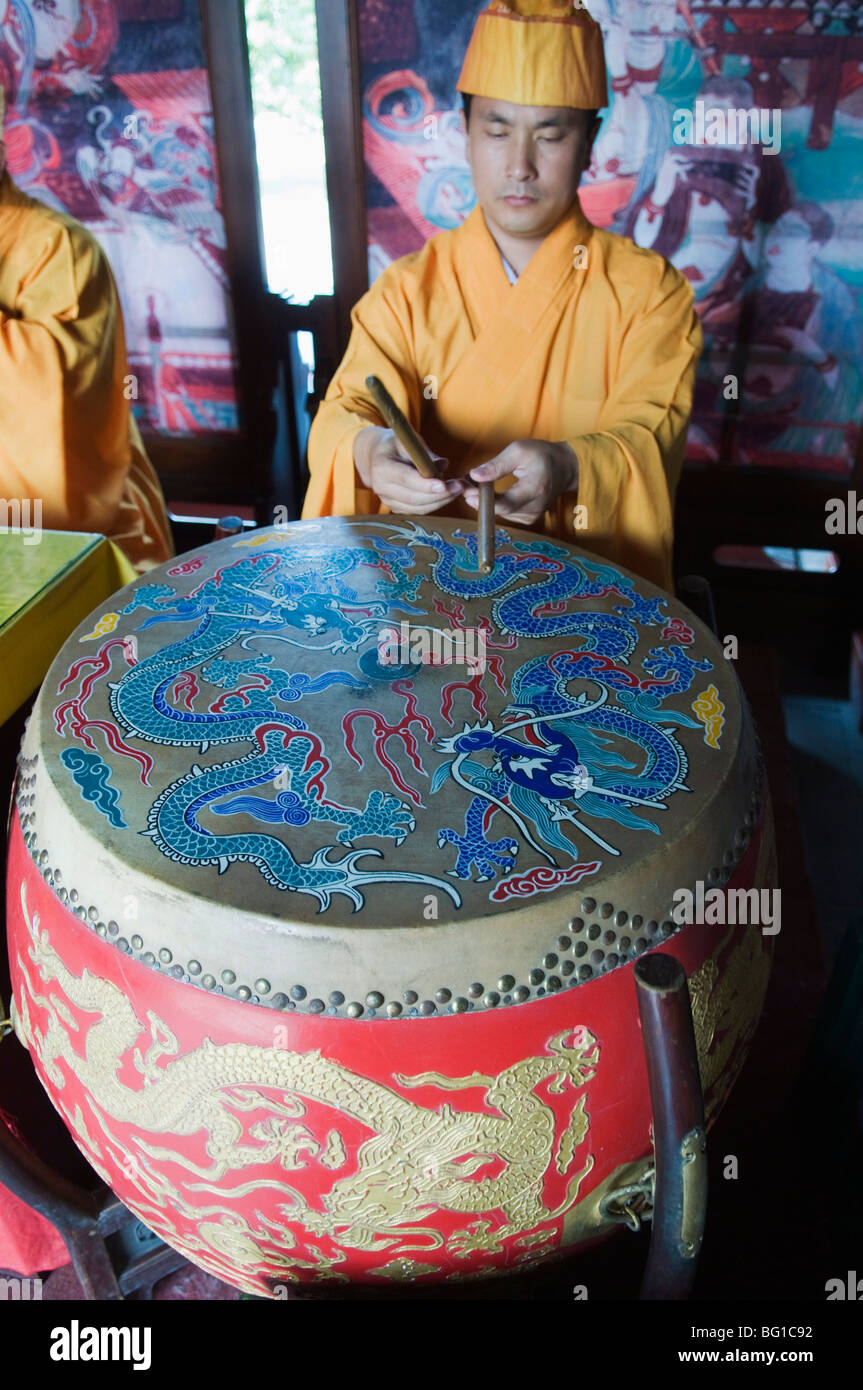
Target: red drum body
[{"x": 323, "y": 928}]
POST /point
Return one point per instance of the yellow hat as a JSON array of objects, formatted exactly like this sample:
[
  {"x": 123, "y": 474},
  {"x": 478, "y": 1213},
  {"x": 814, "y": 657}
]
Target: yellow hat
[{"x": 536, "y": 53}]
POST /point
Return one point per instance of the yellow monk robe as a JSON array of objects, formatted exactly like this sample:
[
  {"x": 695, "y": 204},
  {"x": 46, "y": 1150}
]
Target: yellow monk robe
[
  {"x": 597, "y": 347},
  {"x": 67, "y": 435}
]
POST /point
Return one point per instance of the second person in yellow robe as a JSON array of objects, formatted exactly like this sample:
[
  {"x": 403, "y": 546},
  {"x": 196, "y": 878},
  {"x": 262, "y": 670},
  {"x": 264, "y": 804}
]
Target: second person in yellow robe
[{"x": 67, "y": 436}]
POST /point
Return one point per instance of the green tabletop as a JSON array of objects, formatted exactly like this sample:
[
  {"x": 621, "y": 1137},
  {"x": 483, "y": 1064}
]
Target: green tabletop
[{"x": 48, "y": 584}]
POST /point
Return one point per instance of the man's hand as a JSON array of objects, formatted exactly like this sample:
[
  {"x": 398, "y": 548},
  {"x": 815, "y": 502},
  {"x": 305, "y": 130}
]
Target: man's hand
[
  {"x": 544, "y": 471},
  {"x": 384, "y": 468}
]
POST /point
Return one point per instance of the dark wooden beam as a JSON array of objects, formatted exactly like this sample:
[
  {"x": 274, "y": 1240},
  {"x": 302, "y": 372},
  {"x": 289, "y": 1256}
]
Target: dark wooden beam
[
  {"x": 230, "y": 83},
  {"x": 341, "y": 97}
]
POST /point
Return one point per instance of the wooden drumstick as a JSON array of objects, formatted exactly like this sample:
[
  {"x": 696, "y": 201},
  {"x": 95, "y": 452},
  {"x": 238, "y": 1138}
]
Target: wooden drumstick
[
  {"x": 485, "y": 528},
  {"x": 427, "y": 468},
  {"x": 402, "y": 429}
]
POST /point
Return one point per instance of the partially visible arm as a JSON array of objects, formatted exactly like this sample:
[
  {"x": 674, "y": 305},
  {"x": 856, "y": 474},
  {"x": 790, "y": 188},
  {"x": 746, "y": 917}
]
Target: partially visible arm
[
  {"x": 64, "y": 419},
  {"x": 379, "y": 345},
  {"x": 629, "y": 469}
]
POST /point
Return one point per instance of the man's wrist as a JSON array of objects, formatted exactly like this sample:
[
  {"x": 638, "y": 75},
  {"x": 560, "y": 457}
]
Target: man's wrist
[
  {"x": 364, "y": 441},
  {"x": 568, "y": 463}
]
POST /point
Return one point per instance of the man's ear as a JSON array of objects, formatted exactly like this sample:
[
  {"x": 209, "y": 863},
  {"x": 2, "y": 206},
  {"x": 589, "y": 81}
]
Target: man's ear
[{"x": 592, "y": 134}]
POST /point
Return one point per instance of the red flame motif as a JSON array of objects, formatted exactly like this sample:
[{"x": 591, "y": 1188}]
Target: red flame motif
[{"x": 539, "y": 880}]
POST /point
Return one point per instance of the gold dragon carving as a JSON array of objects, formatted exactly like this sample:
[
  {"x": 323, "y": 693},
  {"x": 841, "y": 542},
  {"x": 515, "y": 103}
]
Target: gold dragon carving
[
  {"x": 727, "y": 998},
  {"x": 418, "y": 1161}
]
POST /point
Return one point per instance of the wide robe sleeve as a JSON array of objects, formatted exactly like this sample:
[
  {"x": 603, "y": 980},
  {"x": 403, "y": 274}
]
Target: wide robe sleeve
[
  {"x": 629, "y": 468},
  {"x": 380, "y": 344},
  {"x": 66, "y": 435}
]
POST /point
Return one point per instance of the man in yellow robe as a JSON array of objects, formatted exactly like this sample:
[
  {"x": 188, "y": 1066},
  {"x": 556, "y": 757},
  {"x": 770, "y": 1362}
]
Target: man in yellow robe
[
  {"x": 526, "y": 346},
  {"x": 68, "y": 440}
]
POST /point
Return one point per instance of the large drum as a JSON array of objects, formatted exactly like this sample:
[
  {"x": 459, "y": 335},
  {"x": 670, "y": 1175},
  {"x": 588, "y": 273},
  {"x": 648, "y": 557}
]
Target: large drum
[{"x": 331, "y": 864}]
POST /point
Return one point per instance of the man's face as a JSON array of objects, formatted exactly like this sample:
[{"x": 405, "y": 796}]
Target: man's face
[{"x": 527, "y": 162}]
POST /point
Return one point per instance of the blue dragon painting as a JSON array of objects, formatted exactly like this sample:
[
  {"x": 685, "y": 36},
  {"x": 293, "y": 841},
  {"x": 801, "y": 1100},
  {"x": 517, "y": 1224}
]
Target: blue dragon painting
[{"x": 586, "y": 743}]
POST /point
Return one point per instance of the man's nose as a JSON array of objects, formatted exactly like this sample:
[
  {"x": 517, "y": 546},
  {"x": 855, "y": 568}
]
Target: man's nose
[{"x": 520, "y": 166}]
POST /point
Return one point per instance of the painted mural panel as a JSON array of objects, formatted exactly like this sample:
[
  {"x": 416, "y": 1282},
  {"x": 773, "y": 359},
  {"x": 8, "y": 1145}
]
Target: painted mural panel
[
  {"x": 109, "y": 118},
  {"x": 760, "y": 209}
]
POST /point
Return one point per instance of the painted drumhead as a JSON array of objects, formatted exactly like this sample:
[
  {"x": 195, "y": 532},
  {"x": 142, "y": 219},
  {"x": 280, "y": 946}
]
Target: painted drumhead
[{"x": 334, "y": 768}]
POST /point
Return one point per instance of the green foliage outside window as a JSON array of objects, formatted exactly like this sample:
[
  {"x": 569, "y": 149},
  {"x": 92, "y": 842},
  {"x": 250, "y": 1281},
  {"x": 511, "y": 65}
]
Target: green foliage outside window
[{"x": 283, "y": 54}]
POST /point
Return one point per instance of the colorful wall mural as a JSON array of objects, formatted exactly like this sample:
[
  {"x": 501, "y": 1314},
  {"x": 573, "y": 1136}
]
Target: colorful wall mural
[
  {"x": 763, "y": 216},
  {"x": 109, "y": 118}
]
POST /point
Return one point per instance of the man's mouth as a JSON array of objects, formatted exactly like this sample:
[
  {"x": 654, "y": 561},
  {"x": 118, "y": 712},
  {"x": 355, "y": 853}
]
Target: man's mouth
[{"x": 518, "y": 199}]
